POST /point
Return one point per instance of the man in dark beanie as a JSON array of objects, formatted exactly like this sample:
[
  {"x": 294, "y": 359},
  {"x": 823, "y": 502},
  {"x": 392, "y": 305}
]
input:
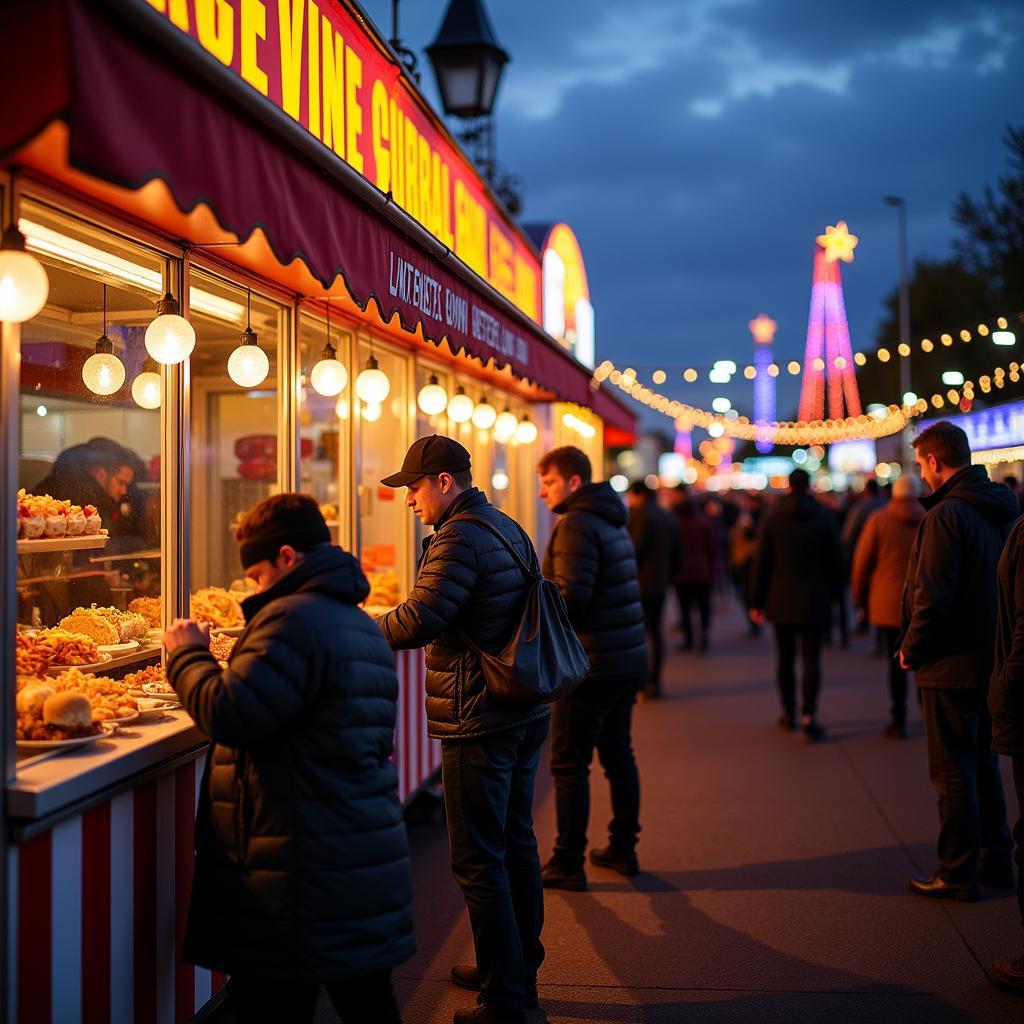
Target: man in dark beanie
[
  {"x": 469, "y": 596},
  {"x": 302, "y": 866}
]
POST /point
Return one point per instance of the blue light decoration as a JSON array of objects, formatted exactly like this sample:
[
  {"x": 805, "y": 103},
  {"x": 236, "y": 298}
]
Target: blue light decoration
[{"x": 763, "y": 329}]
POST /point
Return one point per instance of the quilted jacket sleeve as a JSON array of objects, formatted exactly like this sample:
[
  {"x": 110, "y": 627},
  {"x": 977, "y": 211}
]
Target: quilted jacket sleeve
[
  {"x": 263, "y": 688},
  {"x": 447, "y": 577},
  {"x": 574, "y": 560}
]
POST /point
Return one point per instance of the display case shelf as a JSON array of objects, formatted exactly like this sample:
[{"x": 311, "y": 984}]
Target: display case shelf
[{"x": 44, "y": 545}]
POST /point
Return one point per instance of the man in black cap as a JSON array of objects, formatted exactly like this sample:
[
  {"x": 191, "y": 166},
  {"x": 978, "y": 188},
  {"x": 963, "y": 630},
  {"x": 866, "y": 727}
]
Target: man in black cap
[{"x": 469, "y": 595}]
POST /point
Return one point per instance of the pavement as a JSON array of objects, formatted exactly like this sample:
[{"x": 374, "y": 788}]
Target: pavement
[{"x": 774, "y": 872}]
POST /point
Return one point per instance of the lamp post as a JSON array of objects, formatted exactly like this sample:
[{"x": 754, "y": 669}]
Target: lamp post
[{"x": 905, "y": 377}]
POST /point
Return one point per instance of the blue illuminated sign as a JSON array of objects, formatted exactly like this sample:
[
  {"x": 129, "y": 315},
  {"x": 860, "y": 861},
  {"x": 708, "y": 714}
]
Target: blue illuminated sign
[{"x": 1002, "y": 426}]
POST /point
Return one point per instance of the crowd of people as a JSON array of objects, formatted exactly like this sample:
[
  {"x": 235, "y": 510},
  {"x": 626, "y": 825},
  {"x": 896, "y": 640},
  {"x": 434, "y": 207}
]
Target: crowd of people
[{"x": 302, "y": 874}]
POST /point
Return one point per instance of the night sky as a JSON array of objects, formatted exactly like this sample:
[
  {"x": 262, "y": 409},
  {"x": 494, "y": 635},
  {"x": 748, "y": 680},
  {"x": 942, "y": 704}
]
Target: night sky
[{"x": 698, "y": 147}]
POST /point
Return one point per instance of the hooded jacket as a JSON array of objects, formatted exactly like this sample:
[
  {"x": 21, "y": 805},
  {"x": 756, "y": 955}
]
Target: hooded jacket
[
  {"x": 302, "y": 861},
  {"x": 949, "y": 597},
  {"x": 1006, "y": 691},
  {"x": 591, "y": 558},
  {"x": 880, "y": 560},
  {"x": 468, "y": 585},
  {"x": 798, "y": 568}
]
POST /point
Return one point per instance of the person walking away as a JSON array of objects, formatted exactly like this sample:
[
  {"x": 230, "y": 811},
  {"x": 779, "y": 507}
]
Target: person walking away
[
  {"x": 949, "y": 614},
  {"x": 697, "y": 569},
  {"x": 302, "y": 872},
  {"x": 797, "y": 576},
  {"x": 656, "y": 541},
  {"x": 1006, "y": 705},
  {"x": 879, "y": 569},
  {"x": 870, "y": 501},
  {"x": 742, "y": 549},
  {"x": 590, "y": 556},
  {"x": 470, "y": 594}
]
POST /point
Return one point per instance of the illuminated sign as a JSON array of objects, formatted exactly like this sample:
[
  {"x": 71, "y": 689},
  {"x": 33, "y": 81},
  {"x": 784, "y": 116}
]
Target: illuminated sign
[
  {"x": 568, "y": 315},
  {"x": 1002, "y": 426},
  {"x": 852, "y": 456},
  {"x": 316, "y": 61}
]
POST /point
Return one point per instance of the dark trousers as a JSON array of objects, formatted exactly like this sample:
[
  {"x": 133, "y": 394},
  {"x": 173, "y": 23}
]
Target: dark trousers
[
  {"x": 366, "y": 1000},
  {"x": 973, "y": 833},
  {"x": 1018, "y": 830},
  {"x": 809, "y": 639},
  {"x": 694, "y": 595},
  {"x": 654, "y": 613},
  {"x": 897, "y": 675},
  {"x": 597, "y": 716},
  {"x": 488, "y": 799}
]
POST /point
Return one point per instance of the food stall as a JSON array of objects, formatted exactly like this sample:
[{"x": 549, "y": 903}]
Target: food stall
[
  {"x": 266, "y": 266},
  {"x": 996, "y": 435}
]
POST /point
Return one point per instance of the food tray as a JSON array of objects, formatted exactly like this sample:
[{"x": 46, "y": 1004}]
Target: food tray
[{"x": 84, "y": 542}]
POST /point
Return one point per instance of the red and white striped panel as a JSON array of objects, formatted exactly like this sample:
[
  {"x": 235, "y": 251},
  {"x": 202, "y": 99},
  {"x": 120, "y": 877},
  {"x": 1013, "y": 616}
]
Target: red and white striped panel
[
  {"x": 98, "y": 908},
  {"x": 416, "y": 756}
]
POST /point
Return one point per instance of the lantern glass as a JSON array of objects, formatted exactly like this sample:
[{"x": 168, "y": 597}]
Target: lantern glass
[
  {"x": 146, "y": 390},
  {"x": 103, "y": 373},
  {"x": 24, "y": 285}
]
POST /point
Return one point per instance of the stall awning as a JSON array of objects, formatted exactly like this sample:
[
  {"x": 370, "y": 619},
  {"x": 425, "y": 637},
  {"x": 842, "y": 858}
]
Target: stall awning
[{"x": 143, "y": 101}]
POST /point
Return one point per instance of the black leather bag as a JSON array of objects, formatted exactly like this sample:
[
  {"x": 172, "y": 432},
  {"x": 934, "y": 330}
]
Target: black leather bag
[{"x": 544, "y": 660}]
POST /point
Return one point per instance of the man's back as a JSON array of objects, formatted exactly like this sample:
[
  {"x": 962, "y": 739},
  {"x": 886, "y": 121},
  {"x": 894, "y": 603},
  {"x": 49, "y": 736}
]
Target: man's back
[{"x": 656, "y": 542}]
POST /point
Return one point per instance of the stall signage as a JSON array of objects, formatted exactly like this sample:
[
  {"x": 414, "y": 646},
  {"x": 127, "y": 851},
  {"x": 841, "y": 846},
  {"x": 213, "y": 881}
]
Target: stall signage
[
  {"x": 568, "y": 314},
  {"x": 313, "y": 60},
  {"x": 1002, "y": 426}
]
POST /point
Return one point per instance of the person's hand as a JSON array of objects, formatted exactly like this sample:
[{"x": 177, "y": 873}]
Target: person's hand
[
  {"x": 903, "y": 661},
  {"x": 758, "y": 617},
  {"x": 184, "y": 632}
]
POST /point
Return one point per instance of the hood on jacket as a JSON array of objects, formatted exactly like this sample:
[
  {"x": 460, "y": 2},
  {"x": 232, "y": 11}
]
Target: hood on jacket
[
  {"x": 327, "y": 570},
  {"x": 600, "y": 499},
  {"x": 972, "y": 484},
  {"x": 907, "y": 510}
]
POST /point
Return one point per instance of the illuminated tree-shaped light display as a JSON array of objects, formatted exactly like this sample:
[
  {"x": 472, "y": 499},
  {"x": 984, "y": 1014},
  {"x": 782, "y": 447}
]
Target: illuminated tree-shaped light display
[
  {"x": 763, "y": 329},
  {"x": 829, "y": 357}
]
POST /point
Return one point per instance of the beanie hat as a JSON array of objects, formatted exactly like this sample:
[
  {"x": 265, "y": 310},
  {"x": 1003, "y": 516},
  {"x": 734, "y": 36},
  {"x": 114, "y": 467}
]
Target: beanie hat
[{"x": 293, "y": 519}]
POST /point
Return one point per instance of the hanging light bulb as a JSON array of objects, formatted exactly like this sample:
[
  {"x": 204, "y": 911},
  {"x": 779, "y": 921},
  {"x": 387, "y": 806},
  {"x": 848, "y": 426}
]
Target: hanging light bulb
[
  {"x": 341, "y": 408},
  {"x": 432, "y": 398},
  {"x": 505, "y": 426},
  {"x": 170, "y": 338},
  {"x": 328, "y": 376},
  {"x": 248, "y": 365},
  {"x": 103, "y": 372},
  {"x": 372, "y": 385},
  {"x": 24, "y": 284},
  {"x": 460, "y": 406},
  {"x": 371, "y": 411},
  {"x": 484, "y": 414},
  {"x": 526, "y": 432},
  {"x": 146, "y": 390}
]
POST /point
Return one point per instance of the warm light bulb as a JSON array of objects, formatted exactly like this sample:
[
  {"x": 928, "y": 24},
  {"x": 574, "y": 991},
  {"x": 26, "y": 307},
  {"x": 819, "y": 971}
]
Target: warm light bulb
[
  {"x": 248, "y": 365},
  {"x": 103, "y": 372},
  {"x": 371, "y": 411},
  {"x": 372, "y": 385},
  {"x": 526, "y": 432},
  {"x": 432, "y": 398},
  {"x": 460, "y": 407},
  {"x": 341, "y": 408},
  {"x": 170, "y": 338},
  {"x": 505, "y": 426},
  {"x": 484, "y": 415},
  {"x": 146, "y": 390},
  {"x": 329, "y": 376},
  {"x": 24, "y": 284}
]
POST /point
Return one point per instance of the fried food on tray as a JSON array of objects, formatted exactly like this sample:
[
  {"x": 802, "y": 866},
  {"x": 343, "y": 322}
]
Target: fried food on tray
[
  {"x": 31, "y": 656},
  {"x": 221, "y": 647},
  {"x": 92, "y": 624},
  {"x": 150, "y": 608},
  {"x": 129, "y": 625},
  {"x": 69, "y": 648},
  {"x": 61, "y": 716},
  {"x": 214, "y": 606},
  {"x": 149, "y": 674},
  {"x": 108, "y": 698},
  {"x": 31, "y": 698},
  {"x": 41, "y": 515}
]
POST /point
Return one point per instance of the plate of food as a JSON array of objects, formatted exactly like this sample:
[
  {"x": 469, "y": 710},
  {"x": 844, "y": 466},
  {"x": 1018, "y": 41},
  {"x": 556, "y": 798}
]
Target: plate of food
[
  {"x": 109, "y": 699},
  {"x": 160, "y": 689},
  {"x": 71, "y": 741},
  {"x": 49, "y": 719},
  {"x": 128, "y": 645},
  {"x": 126, "y": 720},
  {"x": 136, "y": 680},
  {"x": 88, "y": 666}
]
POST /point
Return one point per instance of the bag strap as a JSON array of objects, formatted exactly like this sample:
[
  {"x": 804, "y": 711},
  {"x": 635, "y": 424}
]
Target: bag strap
[{"x": 533, "y": 573}]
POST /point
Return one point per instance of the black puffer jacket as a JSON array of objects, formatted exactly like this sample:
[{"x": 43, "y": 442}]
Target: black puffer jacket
[
  {"x": 468, "y": 582},
  {"x": 798, "y": 568},
  {"x": 590, "y": 556},
  {"x": 1006, "y": 691},
  {"x": 949, "y": 598},
  {"x": 302, "y": 861}
]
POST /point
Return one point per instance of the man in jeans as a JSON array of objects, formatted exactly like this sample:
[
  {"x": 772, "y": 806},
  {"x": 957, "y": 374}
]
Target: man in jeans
[
  {"x": 949, "y": 624},
  {"x": 470, "y": 593},
  {"x": 591, "y": 558}
]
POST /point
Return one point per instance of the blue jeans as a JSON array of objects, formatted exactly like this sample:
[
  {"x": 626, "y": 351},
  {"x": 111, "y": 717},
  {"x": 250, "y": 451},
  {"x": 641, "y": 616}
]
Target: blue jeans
[{"x": 488, "y": 798}]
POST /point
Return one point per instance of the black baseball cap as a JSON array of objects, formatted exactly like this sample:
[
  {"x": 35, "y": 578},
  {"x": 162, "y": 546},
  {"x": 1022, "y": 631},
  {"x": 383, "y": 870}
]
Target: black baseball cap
[{"x": 428, "y": 456}]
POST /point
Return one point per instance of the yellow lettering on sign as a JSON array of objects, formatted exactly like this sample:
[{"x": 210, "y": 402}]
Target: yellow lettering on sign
[
  {"x": 254, "y": 26},
  {"x": 397, "y": 177},
  {"x": 178, "y": 11},
  {"x": 500, "y": 262},
  {"x": 215, "y": 26},
  {"x": 436, "y": 225},
  {"x": 353, "y": 109},
  {"x": 446, "y": 206},
  {"x": 411, "y": 143},
  {"x": 289, "y": 23},
  {"x": 381, "y": 130},
  {"x": 313, "y": 68},
  {"x": 334, "y": 88},
  {"x": 470, "y": 230},
  {"x": 526, "y": 287},
  {"x": 423, "y": 165}
]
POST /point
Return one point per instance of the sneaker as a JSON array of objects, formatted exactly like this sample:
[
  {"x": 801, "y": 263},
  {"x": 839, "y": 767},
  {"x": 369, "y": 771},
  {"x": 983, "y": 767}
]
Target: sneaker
[
  {"x": 467, "y": 976},
  {"x": 813, "y": 729},
  {"x": 624, "y": 863},
  {"x": 895, "y": 730},
  {"x": 1009, "y": 974},
  {"x": 554, "y": 876}
]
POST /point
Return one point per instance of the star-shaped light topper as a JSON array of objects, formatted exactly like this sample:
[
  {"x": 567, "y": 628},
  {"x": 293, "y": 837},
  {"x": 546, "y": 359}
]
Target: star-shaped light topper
[
  {"x": 838, "y": 243},
  {"x": 763, "y": 329}
]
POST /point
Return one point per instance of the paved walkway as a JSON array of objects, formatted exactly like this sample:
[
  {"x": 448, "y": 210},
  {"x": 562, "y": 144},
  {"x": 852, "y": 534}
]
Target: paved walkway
[{"x": 775, "y": 873}]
